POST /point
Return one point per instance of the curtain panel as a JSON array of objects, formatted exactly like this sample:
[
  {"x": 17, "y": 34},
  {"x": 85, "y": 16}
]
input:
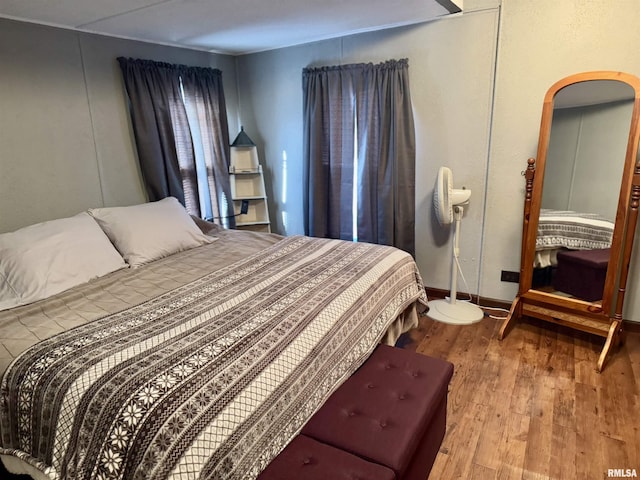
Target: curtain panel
[
  {"x": 329, "y": 127},
  {"x": 368, "y": 106},
  {"x": 155, "y": 106},
  {"x": 168, "y": 143},
  {"x": 203, "y": 89}
]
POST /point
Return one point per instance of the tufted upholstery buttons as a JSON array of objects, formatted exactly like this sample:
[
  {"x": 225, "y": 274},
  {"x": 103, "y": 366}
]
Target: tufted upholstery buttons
[
  {"x": 307, "y": 459},
  {"x": 349, "y": 412},
  {"x": 397, "y": 395}
]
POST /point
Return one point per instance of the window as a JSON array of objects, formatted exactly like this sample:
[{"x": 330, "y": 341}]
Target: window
[
  {"x": 359, "y": 146},
  {"x": 180, "y": 124}
]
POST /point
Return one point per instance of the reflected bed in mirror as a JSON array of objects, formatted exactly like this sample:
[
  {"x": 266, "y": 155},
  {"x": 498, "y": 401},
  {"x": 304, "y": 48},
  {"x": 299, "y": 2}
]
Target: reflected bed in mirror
[
  {"x": 564, "y": 235},
  {"x": 583, "y": 171},
  {"x": 580, "y": 213}
]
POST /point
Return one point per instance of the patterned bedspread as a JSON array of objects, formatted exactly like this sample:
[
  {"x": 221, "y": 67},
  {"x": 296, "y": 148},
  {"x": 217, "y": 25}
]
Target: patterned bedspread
[
  {"x": 209, "y": 380},
  {"x": 576, "y": 231}
]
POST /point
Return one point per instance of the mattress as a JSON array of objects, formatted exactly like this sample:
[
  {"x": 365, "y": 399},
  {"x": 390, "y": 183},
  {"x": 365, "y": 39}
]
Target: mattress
[{"x": 200, "y": 365}]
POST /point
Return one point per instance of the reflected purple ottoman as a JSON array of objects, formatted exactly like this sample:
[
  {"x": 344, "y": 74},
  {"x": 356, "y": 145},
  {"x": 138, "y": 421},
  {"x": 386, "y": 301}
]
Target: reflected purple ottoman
[
  {"x": 392, "y": 412},
  {"x": 582, "y": 273}
]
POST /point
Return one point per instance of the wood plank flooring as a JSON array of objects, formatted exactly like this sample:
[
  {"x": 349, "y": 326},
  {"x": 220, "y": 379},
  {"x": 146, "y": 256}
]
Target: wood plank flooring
[{"x": 533, "y": 406}]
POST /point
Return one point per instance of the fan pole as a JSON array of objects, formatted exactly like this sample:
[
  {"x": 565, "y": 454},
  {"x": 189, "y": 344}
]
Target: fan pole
[
  {"x": 449, "y": 310},
  {"x": 457, "y": 215}
]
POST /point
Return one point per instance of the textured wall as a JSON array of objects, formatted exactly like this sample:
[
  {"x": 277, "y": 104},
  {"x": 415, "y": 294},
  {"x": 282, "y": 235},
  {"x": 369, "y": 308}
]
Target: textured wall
[
  {"x": 65, "y": 138},
  {"x": 539, "y": 43},
  {"x": 477, "y": 80},
  {"x": 451, "y": 66}
]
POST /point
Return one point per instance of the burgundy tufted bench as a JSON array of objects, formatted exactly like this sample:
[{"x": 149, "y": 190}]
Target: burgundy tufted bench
[{"x": 391, "y": 412}]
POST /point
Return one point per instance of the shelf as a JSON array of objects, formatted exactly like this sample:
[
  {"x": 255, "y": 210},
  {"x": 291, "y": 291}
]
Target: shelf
[
  {"x": 255, "y": 227},
  {"x": 250, "y": 197},
  {"x": 256, "y": 214},
  {"x": 234, "y": 171},
  {"x": 244, "y": 224},
  {"x": 243, "y": 186},
  {"x": 244, "y": 158},
  {"x": 247, "y": 186}
]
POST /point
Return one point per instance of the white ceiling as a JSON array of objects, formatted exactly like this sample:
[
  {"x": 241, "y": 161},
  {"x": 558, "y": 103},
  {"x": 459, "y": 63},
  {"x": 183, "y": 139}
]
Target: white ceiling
[{"x": 225, "y": 26}]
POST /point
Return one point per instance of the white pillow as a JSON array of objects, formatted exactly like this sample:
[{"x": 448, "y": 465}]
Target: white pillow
[
  {"x": 44, "y": 259},
  {"x": 143, "y": 233}
]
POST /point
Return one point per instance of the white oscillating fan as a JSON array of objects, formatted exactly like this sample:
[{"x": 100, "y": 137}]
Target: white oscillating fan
[{"x": 448, "y": 203}]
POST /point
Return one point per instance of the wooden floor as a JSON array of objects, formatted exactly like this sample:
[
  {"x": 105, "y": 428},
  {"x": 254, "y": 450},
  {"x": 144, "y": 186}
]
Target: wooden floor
[{"x": 533, "y": 406}]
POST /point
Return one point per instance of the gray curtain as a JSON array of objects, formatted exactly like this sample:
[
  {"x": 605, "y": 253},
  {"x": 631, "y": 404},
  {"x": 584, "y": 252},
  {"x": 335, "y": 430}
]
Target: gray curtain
[
  {"x": 329, "y": 124},
  {"x": 155, "y": 106},
  {"x": 372, "y": 101},
  {"x": 163, "y": 136},
  {"x": 204, "y": 87}
]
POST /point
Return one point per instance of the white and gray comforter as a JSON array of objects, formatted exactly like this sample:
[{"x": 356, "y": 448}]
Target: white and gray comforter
[
  {"x": 572, "y": 230},
  {"x": 209, "y": 380}
]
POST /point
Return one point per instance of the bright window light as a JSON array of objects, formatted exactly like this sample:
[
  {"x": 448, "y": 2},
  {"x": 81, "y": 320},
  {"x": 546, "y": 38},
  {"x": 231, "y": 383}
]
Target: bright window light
[
  {"x": 354, "y": 204},
  {"x": 283, "y": 194}
]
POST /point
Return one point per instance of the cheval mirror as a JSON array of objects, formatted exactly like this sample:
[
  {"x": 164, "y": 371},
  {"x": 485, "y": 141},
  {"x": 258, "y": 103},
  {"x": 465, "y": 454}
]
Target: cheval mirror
[{"x": 581, "y": 207}]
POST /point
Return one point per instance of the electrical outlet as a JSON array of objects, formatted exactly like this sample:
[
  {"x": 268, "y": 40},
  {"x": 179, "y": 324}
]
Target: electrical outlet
[
  {"x": 244, "y": 208},
  {"x": 508, "y": 276}
]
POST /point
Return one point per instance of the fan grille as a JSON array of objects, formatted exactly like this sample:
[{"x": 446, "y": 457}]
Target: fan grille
[{"x": 442, "y": 196}]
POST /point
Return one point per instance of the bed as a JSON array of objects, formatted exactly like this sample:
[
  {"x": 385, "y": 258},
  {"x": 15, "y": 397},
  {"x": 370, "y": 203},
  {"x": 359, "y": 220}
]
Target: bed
[
  {"x": 202, "y": 363},
  {"x": 563, "y": 229}
]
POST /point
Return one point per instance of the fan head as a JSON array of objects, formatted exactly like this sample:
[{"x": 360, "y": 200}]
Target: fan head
[{"x": 445, "y": 197}]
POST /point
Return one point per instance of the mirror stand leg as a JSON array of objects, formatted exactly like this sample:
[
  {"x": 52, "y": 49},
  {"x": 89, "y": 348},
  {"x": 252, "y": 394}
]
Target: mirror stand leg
[
  {"x": 613, "y": 340},
  {"x": 514, "y": 314}
]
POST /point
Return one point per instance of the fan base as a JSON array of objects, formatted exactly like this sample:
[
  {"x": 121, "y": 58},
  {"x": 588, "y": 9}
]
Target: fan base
[{"x": 458, "y": 313}]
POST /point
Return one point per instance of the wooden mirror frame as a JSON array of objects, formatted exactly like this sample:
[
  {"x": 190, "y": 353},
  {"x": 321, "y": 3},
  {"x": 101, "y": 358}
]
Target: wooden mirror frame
[{"x": 599, "y": 318}]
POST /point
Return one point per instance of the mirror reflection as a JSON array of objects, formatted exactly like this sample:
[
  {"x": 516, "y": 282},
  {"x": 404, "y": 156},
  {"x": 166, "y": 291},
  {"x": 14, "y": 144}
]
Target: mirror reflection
[{"x": 582, "y": 176}]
